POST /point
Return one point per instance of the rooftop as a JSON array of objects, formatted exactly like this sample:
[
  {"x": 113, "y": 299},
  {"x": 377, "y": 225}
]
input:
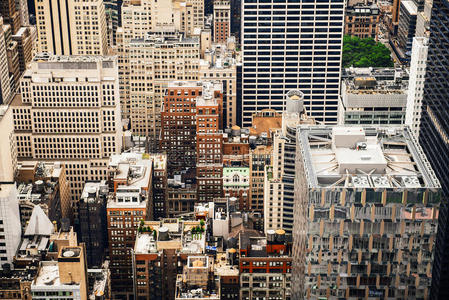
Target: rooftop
[
  {"x": 48, "y": 57},
  {"x": 166, "y": 38},
  {"x": 134, "y": 169},
  {"x": 223, "y": 268},
  {"x": 170, "y": 234},
  {"x": 48, "y": 277},
  {"x": 367, "y": 157},
  {"x": 92, "y": 191}
]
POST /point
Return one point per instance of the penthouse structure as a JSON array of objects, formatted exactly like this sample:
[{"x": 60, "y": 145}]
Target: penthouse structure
[
  {"x": 160, "y": 251},
  {"x": 374, "y": 96},
  {"x": 366, "y": 214},
  {"x": 197, "y": 280},
  {"x": 80, "y": 96},
  {"x": 130, "y": 178}
]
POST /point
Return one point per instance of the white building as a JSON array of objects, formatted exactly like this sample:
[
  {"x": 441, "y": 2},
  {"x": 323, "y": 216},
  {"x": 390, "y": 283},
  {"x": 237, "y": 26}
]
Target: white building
[
  {"x": 5, "y": 80},
  {"x": 279, "y": 178},
  {"x": 416, "y": 83},
  {"x": 8, "y": 155},
  {"x": 71, "y": 27},
  {"x": 11, "y": 229},
  {"x": 69, "y": 111},
  {"x": 289, "y": 46}
]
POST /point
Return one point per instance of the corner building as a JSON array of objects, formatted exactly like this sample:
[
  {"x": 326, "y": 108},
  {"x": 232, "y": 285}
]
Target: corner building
[
  {"x": 291, "y": 45},
  {"x": 365, "y": 215}
]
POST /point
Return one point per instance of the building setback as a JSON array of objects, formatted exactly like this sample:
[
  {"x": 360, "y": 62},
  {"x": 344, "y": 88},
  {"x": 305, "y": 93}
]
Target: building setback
[
  {"x": 281, "y": 53},
  {"x": 365, "y": 214}
]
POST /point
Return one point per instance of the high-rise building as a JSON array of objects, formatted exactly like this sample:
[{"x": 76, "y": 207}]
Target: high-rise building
[
  {"x": 209, "y": 142},
  {"x": 161, "y": 249},
  {"x": 69, "y": 111},
  {"x": 10, "y": 14},
  {"x": 93, "y": 227},
  {"x": 406, "y": 29},
  {"x": 8, "y": 154},
  {"x": 71, "y": 27},
  {"x": 289, "y": 45},
  {"x": 178, "y": 119},
  {"x": 220, "y": 64},
  {"x": 416, "y": 83},
  {"x": 9, "y": 223},
  {"x": 434, "y": 135},
  {"x": 265, "y": 266},
  {"x": 5, "y": 81},
  {"x": 154, "y": 61},
  {"x": 365, "y": 214},
  {"x": 44, "y": 185},
  {"x": 130, "y": 178},
  {"x": 222, "y": 20},
  {"x": 280, "y": 176},
  {"x": 25, "y": 46},
  {"x": 22, "y": 7}
]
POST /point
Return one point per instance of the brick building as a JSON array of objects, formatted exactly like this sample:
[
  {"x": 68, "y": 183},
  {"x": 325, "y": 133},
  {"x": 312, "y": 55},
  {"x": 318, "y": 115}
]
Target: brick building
[
  {"x": 178, "y": 128},
  {"x": 209, "y": 142},
  {"x": 131, "y": 180}
]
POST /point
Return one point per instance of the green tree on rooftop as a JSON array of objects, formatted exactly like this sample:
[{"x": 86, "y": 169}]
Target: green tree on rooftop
[{"x": 365, "y": 52}]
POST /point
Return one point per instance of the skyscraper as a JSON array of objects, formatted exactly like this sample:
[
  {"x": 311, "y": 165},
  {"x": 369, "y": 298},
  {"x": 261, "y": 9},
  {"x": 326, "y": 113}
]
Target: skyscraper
[
  {"x": 69, "y": 111},
  {"x": 292, "y": 45},
  {"x": 365, "y": 214},
  {"x": 71, "y": 27},
  {"x": 434, "y": 134}
]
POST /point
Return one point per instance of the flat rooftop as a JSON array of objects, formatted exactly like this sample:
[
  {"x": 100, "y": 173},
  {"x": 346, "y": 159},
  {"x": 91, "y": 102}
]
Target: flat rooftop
[
  {"x": 170, "y": 234},
  {"x": 364, "y": 157}
]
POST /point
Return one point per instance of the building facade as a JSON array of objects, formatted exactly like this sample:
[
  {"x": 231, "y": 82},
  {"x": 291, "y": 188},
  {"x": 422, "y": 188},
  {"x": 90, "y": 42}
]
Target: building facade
[
  {"x": 433, "y": 136},
  {"x": 71, "y": 27},
  {"x": 9, "y": 223},
  {"x": 365, "y": 216},
  {"x": 281, "y": 53},
  {"x": 130, "y": 179},
  {"x": 222, "y": 20},
  {"x": 79, "y": 95},
  {"x": 362, "y": 20},
  {"x": 154, "y": 61},
  {"x": 416, "y": 83}
]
